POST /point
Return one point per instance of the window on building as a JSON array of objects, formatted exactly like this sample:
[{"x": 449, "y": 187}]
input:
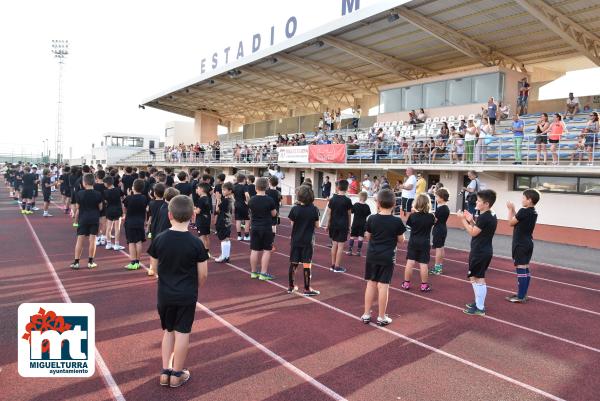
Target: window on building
[
  {"x": 558, "y": 184},
  {"x": 458, "y": 91},
  {"x": 412, "y": 97},
  {"x": 434, "y": 95},
  {"x": 390, "y": 101},
  {"x": 484, "y": 87},
  {"x": 589, "y": 185}
]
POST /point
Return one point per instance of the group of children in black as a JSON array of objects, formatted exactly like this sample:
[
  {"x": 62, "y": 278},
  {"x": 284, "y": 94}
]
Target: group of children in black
[{"x": 153, "y": 206}]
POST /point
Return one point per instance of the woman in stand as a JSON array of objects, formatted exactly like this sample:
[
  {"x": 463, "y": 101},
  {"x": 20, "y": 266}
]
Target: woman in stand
[
  {"x": 470, "y": 139},
  {"x": 556, "y": 130},
  {"x": 485, "y": 131},
  {"x": 541, "y": 138},
  {"x": 591, "y": 136}
]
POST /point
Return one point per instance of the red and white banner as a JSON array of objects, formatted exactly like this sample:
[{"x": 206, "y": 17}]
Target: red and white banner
[
  {"x": 327, "y": 153},
  {"x": 298, "y": 154}
]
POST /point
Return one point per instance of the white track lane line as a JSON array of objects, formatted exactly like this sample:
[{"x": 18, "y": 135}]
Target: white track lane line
[
  {"x": 297, "y": 371},
  {"x": 109, "y": 381}
]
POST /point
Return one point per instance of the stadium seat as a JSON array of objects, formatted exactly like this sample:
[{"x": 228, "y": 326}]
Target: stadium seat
[
  {"x": 451, "y": 118},
  {"x": 443, "y": 119},
  {"x": 428, "y": 120},
  {"x": 436, "y": 120},
  {"x": 461, "y": 117}
]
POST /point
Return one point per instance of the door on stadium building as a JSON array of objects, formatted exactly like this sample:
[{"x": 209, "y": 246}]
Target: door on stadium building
[
  {"x": 300, "y": 178},
  {"x": 151, "y": 144}
]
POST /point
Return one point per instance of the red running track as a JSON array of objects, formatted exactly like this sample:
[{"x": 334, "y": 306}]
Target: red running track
[{"x": 251, "y": 341}]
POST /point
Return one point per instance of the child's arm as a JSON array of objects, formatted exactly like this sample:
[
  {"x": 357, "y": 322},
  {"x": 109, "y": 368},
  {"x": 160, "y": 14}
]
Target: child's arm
[
  {"x": 401, "y": 238},
  {"x": 202, "y": 273},
  {"x": 467, "y": 222},
  {"x": 512, "y": 220},
  {"x": 153, "y": 264}
]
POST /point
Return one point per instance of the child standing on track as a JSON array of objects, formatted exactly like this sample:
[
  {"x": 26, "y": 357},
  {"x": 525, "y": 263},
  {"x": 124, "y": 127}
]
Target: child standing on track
[
  {"x": 135, "y": 218},
  {"x": 114, "y": 212},
  {"x": 88, "y": 205},
  {"x": 100, "y": 187},
  {"x": 340, "y": 210},
  {"x": 180, "y": 260},
  {"x": 420, "y": 222},
  {"x": 482, "y": 251},
  {"x": 262, "y": 210},
  {"x": 384, "y": 231},
  {"x": 274, "y": 194},
  {"x": 47, "y": 190},
  {"x": 203, "y": 212},
  {"x": 440, "y": 231},
  {"x": 29, "y": 180},
  {"x": 183, "y": 186},
  {"x": 304, "y": 217},
  {"x": 223, "y": 224},
  {"x": 154, "y": 208},
  {"x": 361, "y": 211},
  {"x": 241, "y": 208},
  {"x": 65, "y": 188},
  {"x": 522, "y": 243}
]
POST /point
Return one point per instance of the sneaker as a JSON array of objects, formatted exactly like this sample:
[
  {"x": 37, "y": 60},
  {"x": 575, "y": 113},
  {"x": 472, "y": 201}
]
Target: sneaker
[
  {"x": 118, "y": 247},
  {"x": 103, "y": 241},
  {"x": 311, "y": 293},
  {"x": 254, "y": 274},
  {"x": 98, "y": 241},
  {"x": 165, "y": 377},
  {"x": 92, "y": 265},
  {"x": 366, "y": 319},
  {"x": 74, "y": 266},
  {"x": 425, "y": 287},
  {"x": 47, "y": 215},
  {"x": 291, "y": 290},
  {"x": 35, "y": 208},
  {"x": 178, "y": 379},
  {"x": 516, "y": 300},
  {"x": 23, "y": 211},
  {"x": 471, "y": 305},
  {"x": 75, "y": 225},
  {"x": 474, "y": 311},
  {"x": 132, "y": 266},
  {"x": 247, "y": 237},
  {"x": 108, "y": 246},
  {"x": 30, "y": 212},
  {"x": 384, "y": 321},
  {"x": 338, "y": 269},
  {"x": 265, "y": 276},
  {"x": 406, "y": 285},
  {"x": 150, "y": 272},
  {"x": 221, "y": 259},
  {"x": 349, "y": 253},
  {"x": 239, "y": 238}
]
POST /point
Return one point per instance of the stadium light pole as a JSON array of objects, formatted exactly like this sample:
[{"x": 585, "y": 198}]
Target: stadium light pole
[{"x": 60, "y": 49}]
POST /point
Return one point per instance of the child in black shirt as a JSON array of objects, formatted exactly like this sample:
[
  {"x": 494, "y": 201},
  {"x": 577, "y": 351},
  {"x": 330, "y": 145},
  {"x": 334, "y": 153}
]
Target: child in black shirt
[
  {"x": 522, "y": 243},
  {"x": 440, "y": 231},
  {"x": 262, "y": 211},
  {"x": 340, "y": 210},
  {"x": 65, "y": 188},
  {"x": 162, "y": 219},
  {"x": 241, "y": 208},
  {"x": 46, "y": 190},
  {"x": 361, "y": 211},
  {"x": 274, "y": 194},
  {"x": 180, "y": 260},
  {"x": 88, "y": 204},
  {"x": 114, "y": 212},
  {"x": 203, "y": 210},
  {"x": 100, "y": 187},
  {"x": 224, "y": 210},
  {"x": 420, "y": 222},
  {"x": 384, "y": 231},
  {"x": 250, "y": 187},
  {"x": 304, "y": 217},
  {"x": 154, "y": 209},
  {"x": 183, "y": 186},
  {"x": 127, "y": 180},
  {"x": 135, "y": 219},
  {"x": 29, "y": 180},
  {"x": 482, "y": 251}
]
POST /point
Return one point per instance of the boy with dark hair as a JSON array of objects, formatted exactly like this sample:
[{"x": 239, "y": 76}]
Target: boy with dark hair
[
  {"x": 304, "y": 217},
  {"x": 223, "y": 224},
  {"x": 340, "y": 210},
  {"x": 34, "y": 171},
  {"x": 361, "y": 211},
  {"x": 274, "y": 194},
  {"x": 135, "y": 218},
  {"x": 170, "y": 176},
  {"x": 241, "y": 208},
  {"x": 203, "y": 210},
  {"x": 100, "y": 187},
  {"x": 384, "y": 231},
  {"x": 250, "y": 187},
  {"x": 127, "y": 180},
  {"x": 440, "y": 231},
  {"x": 88, "y": 204},
  {"x": 180, "y": 260},
  {"x": 162, "y": 220},
  {"x": 262, "y": 211},
  {"x": 183, "y": 186},
  {"x": 29, "y": 180},
  {"x": 114, "y": 212},
  {"x": 65, "y": 188},
  {"x": 47, "y": 190},
  {"x": 523, "y": 222},
  {"x": 219, "y": 182},
  {"x": 75, "y": 186},
  {"x": 421, "y": 222},
  {"x": 482, "y": 234},
  {"x": 154, "y": 208}
]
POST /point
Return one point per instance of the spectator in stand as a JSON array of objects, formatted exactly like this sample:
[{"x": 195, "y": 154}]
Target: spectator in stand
[
  {"x": 320, "y": 125},
  {"x": 591, "y": 131},
  {"x": 503, "y": 111},
  {"x": 356, "y": 117},
  {"x": 541, "y": 137},
  {"x": 485, "y": 132},
  {"x": 412, "y": 117},
  {"x": 517, "y": 130},
  {"x": 338, "y": 119},
  {"x": 579, "y": 149},
  {"x": 522, "y": 100},
  {"x": 440, "y": 142},
  {"x": 572, "y": 106},
  {"x": 421, "y": 117},
  {"x": 326, "y": 188},
  {"x": 470, "y": 138},
  {"x": 367, "y": 185},
  {"x": 491, "y": 109},
  {"x": 555, "y": 132}
]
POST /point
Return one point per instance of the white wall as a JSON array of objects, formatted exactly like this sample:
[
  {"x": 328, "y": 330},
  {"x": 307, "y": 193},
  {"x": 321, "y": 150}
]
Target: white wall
[{"x": 180, "y": 131}]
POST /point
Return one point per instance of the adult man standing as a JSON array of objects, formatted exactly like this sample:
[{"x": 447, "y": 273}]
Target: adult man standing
[
  {"x": 572, "y": 106},
  {"x": 471, "y": 191},
  {"x": 367, "y": 185},
  {"x": 517, "y": 130},
  {"x": 326, "y": 188},
  {"x": 523, "y": 96},
  {"x": 409, "y": 189},
  {"x": 491, "y": 109},
  {"x": 421, "y": 184}
]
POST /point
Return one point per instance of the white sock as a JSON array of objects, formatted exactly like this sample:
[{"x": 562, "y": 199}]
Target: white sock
[
  {"x": 480, "y": 293},
  {"x": 226, "y": 248}
]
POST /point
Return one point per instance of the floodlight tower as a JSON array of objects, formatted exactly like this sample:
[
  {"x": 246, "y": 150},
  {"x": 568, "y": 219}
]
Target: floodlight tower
[{"x": 60, "y": 49}]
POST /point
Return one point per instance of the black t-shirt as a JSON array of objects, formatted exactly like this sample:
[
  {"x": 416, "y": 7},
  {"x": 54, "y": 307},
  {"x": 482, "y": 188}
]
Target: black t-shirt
[
  {"x": 100, "y": 187},
  {"x": 113, "y": 198},
  {"x": 72, "y": 182},
  {"x": 339, "y": 206},
  {"x": 19, "y": 176},
  {"x": 178, "y": 255},
  {"x": 251, "y": 189},
  {"x": 304, "y": 217},
  {"x": 89, "y": 202},
  {"x": 136, "y": 210},
  {"x": 127, "y": 181},
  {"x": 64, "y": 180},
  {"x": 162, "y": 220},
  {"x": 326, "y": 189},
  {"x": 420, "y": 228},
  {"x": 483, "y": 242},
  {"x": 523, "y": 231},
  {"x": 276, "y": 196},
  {"x": 239, "y": 194},
  {"x": 442, "y": 213},
  {"x": 154, "y": 211},
  {"x": 204, "y": 203},
  {"x": 170, "y": 180},
  {"x": 384, "y": 230},
  {"x": 224, "y": 213},
  {"x": 218, "y": 188},
  {"x": 361, "y": 211},
  {"x": 184, "y": 188},
  {"x": 46, "y": 181},
  {"x": 29, "y": 180},
  {"x": 260, "y": 211}
]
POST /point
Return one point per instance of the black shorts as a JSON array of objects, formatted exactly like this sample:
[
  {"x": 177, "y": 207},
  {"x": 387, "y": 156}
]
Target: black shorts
[
  {"x": 379, "y": 273},
  {"x": 223, "y": 233},
  {"x": 103, "y": 212},
  {"x": 113, "y": 214},
  {"x": 521, "y": 254},
  {"x": 35, "y": 192},
  {"x": 177, "y": 317},
  {"x": 46, "y": 196},
  {"x": 478, "y": 264},
  {"x": 418, "y": 253},
  {"x": 18, "y": 185},
  {"x": 539, "y": 139},
  {"x": 87, "y": 229},
  {"x": 241, "y": 212},
  {"x": 275, "y": 221},
  {"x": 27, "y": 193},
  {"x": 338, "y": 234},
  {"x": 407, "y": 204},
  {"x": 438, "y": 237},
  {"x": 73, "y": 199},
  {"x": 554, "y": 140},
  {"x": 261, "y": 239},
  {"x": 358, "y": 231},
  {"x": 301, "y": 254},
  {"x": 492, "y": 120},
  {"x": 65, "y": 192},
  {"x": 203, "y": 229},
  {"x": 134, "y": 234}
]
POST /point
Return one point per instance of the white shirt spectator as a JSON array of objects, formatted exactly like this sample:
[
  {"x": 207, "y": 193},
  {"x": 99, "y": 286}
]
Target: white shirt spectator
[
  {"x": 367, "y": 185},
  {"x": 572, "y": 102},
  {"x": 410, "y": 193}
]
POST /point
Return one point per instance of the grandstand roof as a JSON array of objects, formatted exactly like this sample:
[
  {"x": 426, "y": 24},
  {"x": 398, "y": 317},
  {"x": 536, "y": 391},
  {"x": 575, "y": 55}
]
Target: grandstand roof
[{"x": 428, "y": 38}]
